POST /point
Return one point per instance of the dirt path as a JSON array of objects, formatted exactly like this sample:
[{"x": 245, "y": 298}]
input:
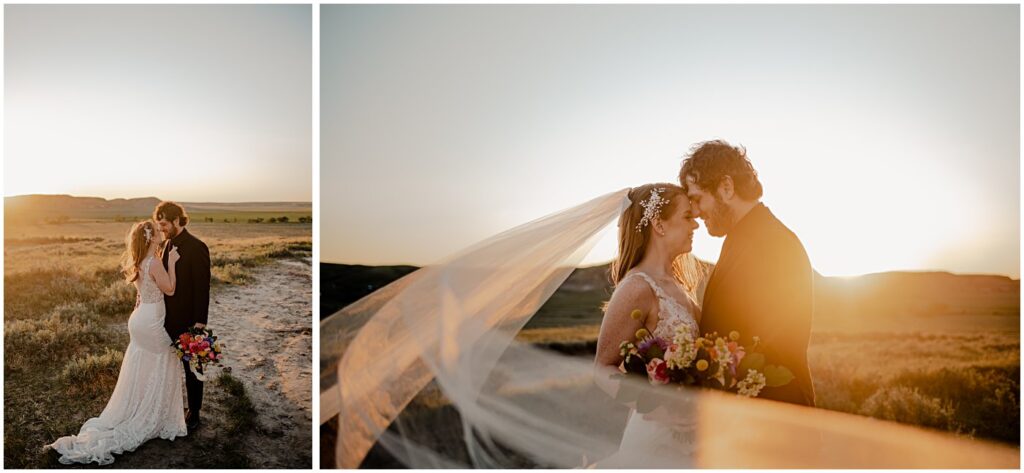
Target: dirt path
[{"x": 266, "y": 328}]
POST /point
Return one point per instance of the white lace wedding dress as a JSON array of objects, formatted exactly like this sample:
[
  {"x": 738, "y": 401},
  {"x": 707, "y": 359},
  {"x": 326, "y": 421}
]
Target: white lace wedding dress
[
  {"x": 147, "y": 400},
  {"x": 660, "y": 443}
]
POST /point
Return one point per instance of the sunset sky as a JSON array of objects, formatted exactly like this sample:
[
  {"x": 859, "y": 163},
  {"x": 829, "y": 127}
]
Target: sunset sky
[
  {"x": 887, "y": 137},
  {"x": 198, "y": 102}
]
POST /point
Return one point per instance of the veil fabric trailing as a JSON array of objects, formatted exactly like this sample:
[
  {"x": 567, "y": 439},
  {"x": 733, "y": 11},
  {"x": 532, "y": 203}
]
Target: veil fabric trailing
[{"x": 451, "y": 329}]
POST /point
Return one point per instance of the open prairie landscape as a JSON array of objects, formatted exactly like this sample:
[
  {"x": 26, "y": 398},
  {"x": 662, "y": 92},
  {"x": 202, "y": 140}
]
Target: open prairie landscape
[
  {"x": 66, "y": 308},
  {"x": 936, "y": 350}
]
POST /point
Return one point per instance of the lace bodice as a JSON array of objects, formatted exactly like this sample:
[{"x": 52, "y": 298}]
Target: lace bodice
[
  {"x": 148, "y": 290},
  {"x": 671, "y": 313}
]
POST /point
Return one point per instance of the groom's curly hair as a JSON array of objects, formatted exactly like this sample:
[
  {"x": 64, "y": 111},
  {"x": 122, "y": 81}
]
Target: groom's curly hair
[
  {"x": 170, "y": 211},
  {"x": 709, "y": 162}
]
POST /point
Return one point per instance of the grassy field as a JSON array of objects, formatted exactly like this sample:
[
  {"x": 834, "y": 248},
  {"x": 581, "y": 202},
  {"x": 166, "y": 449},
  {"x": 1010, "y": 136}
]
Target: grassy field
[
  {"x": 935, "y": 350},
  {"x": 66, "y": 308}
]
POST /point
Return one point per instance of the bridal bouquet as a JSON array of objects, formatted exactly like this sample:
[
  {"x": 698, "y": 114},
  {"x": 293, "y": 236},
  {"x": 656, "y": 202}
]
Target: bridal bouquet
[
  {"x": 199, "y": 347},
  {"x": 710, "y": 361}
]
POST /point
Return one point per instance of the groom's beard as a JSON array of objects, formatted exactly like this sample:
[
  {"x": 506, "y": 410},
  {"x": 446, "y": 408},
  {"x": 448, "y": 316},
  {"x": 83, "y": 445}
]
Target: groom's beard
[{"x": 720, "y": 219}]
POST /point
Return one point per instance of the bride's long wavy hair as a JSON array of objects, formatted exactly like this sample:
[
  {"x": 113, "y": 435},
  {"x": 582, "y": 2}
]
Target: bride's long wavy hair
[
  {"x": 633, "y": 243},
  {"x": 136, "y": 243}
]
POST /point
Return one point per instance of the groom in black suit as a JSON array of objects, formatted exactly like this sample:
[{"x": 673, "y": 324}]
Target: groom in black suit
[
  {"x": 763, "y": 283},
  {"x": 190, "y": 304}
]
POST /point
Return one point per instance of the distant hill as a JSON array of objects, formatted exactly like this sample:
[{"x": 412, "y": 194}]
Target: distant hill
[
  {"x": 43, "y": 206},
  {"x": 881, "y": 295},
  {"x": 343, "y": 284},
  {"x": 917, "y": 293}
]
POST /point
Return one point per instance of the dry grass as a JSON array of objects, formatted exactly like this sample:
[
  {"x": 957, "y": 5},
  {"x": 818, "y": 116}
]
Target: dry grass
[
  {"x": 91, "y": 371},
  {"x": 966, "y": 383},
  {"x": 576, "y": 334}
]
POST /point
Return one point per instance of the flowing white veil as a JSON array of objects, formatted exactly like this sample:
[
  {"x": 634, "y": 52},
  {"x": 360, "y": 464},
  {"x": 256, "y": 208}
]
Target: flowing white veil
[{"x": 451, "y": 328}]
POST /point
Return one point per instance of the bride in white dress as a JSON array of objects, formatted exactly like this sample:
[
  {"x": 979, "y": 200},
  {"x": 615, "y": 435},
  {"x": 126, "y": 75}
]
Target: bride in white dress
[
  {"x": 147, "y": 400},
  {"x": 654, "y": 231}
]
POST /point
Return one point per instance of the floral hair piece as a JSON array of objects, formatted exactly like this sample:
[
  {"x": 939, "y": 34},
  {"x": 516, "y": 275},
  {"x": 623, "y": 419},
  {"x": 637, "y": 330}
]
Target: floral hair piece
[
  {"x": 149, "y": 234},
  {"x": 652, "y": 207}
]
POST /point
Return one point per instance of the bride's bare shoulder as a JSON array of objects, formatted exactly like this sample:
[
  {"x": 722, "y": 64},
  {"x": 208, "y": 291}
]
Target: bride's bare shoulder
[{"x": 632, "y": 293}]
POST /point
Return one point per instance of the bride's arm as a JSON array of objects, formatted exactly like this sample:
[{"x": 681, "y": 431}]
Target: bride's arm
[
  {"x": 617, "y": 326},
  {"x": 165, "y": 280}
]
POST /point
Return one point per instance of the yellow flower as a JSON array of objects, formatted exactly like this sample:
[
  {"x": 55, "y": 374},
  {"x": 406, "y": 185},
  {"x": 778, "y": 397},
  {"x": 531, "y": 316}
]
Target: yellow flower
[
  {"x": 734, "y": 335},
  {"x": 642, "y": 333},
  {"x": 636, "y": 314},
  {"x": 702, "y": 365},
  {"x": 719, "y": 342}
]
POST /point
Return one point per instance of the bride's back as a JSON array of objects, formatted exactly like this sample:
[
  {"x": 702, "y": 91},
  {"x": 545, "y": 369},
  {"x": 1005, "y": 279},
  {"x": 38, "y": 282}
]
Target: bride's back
[{"x": 149, "y": 292}]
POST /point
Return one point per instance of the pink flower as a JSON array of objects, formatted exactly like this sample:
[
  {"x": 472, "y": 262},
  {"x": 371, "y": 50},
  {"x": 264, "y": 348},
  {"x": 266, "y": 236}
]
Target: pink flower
[{"x": 657, "y": 371}]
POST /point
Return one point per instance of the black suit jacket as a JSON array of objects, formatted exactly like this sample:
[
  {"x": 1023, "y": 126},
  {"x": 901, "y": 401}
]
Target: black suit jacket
[
  {"x": 190, "y": 303},
  {"x": 763, "y": 286}
]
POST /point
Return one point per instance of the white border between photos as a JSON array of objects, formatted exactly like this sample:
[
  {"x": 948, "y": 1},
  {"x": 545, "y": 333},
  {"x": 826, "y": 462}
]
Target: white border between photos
[{"x": 315, "y": 356}]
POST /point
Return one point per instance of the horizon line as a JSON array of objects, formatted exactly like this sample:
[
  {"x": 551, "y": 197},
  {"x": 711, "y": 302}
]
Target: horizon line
[{"x": 819, "y": 273}]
